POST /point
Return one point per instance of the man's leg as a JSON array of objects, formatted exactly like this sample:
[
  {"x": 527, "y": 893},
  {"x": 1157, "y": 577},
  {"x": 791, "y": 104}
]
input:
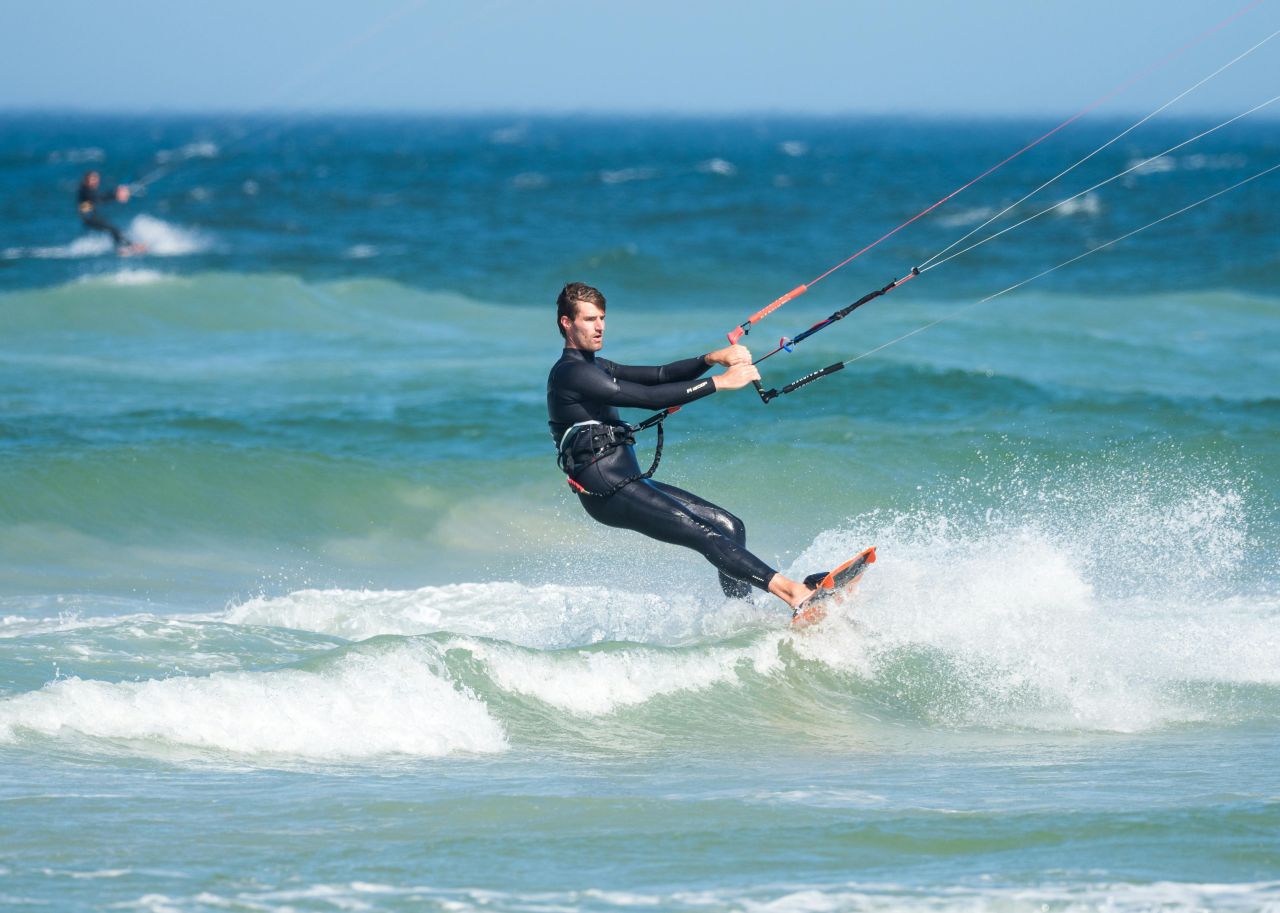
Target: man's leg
[
  {"x": 647, "y": 508},
  {"x": 97, "y": 223},
  {"x": 721, "y": 519}
]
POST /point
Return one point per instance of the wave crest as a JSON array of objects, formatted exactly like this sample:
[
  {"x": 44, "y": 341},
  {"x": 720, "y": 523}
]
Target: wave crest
[{"x": 365, "y": 704}]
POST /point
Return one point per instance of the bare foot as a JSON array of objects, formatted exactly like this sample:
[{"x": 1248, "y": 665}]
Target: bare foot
[{"x": 792, "y": 592}]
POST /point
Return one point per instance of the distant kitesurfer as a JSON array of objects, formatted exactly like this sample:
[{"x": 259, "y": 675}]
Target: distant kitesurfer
[
  {"x": 597, "y": 447},
  {"x": 90, "y": 196}
]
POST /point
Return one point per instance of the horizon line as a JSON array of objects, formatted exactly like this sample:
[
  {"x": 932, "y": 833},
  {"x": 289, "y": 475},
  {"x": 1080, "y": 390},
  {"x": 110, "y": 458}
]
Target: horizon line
[{"x": 590, "y": 112}]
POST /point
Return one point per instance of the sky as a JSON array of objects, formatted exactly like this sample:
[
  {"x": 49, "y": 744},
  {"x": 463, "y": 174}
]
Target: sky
[{"x": 911, "y": 57}]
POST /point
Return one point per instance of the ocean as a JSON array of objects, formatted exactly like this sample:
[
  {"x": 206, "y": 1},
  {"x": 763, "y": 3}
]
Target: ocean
[{"x": 297, "y": 613}]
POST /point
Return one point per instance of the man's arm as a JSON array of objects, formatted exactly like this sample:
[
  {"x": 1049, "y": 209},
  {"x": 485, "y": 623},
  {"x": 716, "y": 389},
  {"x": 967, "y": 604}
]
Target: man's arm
[
  {"x": 679, "y": 371},
  {"x": 593, "y": 384},
  {"x": 597, "y": 386}
]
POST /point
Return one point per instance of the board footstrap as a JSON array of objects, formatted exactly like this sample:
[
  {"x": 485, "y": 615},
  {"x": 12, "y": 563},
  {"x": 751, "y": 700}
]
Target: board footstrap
[{"x": 831, "y": 584}]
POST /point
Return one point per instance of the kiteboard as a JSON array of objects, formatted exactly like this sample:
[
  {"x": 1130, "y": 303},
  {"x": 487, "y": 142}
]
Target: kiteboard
[
  {"x": 131, "y": 250},
  {"x": 832, "y": 588}
]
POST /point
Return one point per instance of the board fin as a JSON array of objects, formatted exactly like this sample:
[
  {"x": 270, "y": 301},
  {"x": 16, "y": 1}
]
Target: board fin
[{"x": 836, "y": 583}]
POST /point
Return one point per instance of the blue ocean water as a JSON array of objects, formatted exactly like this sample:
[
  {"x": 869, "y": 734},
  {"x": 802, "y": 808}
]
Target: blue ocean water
[{"x": 296, "y": 612}]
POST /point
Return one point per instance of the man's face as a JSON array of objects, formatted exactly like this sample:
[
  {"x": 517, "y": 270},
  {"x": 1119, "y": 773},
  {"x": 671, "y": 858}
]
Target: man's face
[
  {"x": 92, "y": 179},
  {"x": 586, "y": 330}
]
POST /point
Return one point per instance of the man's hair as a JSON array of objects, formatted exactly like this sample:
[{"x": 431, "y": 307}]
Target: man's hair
[{"x": 570, "y": 295}]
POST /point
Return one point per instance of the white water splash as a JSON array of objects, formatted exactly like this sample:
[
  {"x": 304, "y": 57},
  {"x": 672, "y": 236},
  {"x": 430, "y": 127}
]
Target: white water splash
[
  {"x": 161, "y": 239},
  {"x": 365, "y": 705},
  {"x": 550, "y": 616}
]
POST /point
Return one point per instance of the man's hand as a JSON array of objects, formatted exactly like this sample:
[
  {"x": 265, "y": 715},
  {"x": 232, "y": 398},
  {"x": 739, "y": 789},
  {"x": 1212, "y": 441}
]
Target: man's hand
[
  {"x": 737, "y": 376},
  {"x": 729, "y": 356},
  {"x": 122, "y": 194}
]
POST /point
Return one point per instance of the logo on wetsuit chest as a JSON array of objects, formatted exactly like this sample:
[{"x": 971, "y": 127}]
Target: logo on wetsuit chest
[{"x": 695, "y": 389}]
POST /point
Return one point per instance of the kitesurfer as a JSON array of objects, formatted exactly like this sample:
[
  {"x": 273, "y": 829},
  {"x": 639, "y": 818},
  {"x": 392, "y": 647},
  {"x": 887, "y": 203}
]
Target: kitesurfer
[
  {"x": 90, "y": 196},
  {"x": 597, "y": 447}
]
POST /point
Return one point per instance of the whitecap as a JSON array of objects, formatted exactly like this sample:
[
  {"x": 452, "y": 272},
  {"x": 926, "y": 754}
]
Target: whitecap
[
  {"x": 197, "y": 150},
  {"x": 509, "y": 136},
  {"x": 1221, "y": 162},
  {"x": 596, "y": 682},
  {"x": 87, "y": 245},
  {"x": 626, "y": 175},
  {"x": 962, "y": 217},
  {"x": 1088, "y": 205},
  {"x": 717, "y": 166},
  {"x": 1160, "y": 164},
  {"x": 545, "y": 617},
  {"x": 364, "y": 705}
]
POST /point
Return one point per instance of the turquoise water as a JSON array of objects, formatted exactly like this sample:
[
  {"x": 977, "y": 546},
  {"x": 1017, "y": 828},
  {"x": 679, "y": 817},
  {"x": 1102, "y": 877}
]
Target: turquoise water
[{"x": 296, "y": 612}]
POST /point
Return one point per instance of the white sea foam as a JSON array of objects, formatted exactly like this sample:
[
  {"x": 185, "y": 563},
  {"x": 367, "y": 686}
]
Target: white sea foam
[
  {"x": 1071, "y": 607},
  {"x": 592, "y": 682},
  {"x": 161, "y": 239},
  {"x": 197, "y": 150},
  {"x": 1160, "y": 164},
  {"x": 364, "y": 705},
  {"x": 1088, "y": 205},
  {"x": 165, "y": 240},
  {"x": 718, "y": 166},
  {"x": 840, "y": 897},
  {"x": 23, "y": 626},
  {"x": 1223, "y": 162},
  {"x": 1169, "y": 897},
  {"x": 960, "y": 218},
  {"x": 89, "y": 245},
  {"x": 513, "y": 135},
  {"x": 1030, "y": 629},
  {"x": 1164, "y": 164},
  {"x": 545, "y": 617},
  {"x": 626, "y": 175},
  {"x": 794, "y": 148}
]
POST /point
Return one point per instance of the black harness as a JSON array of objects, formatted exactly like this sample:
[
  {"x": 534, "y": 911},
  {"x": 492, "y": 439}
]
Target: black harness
[{"x": 605, "y": 438}]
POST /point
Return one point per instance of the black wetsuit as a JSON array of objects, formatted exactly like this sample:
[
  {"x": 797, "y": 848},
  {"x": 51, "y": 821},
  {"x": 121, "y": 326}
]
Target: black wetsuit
[
  {"x": 583, "y": 388},
  {"x": 87, "y": 199}
]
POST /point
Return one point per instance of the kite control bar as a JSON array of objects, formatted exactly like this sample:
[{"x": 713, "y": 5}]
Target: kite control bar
[{"x": 787, "y": 344}]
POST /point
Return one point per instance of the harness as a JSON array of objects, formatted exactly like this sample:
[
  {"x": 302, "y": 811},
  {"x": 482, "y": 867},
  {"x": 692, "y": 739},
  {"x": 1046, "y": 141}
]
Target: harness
[{"x": 605, "y": 439}]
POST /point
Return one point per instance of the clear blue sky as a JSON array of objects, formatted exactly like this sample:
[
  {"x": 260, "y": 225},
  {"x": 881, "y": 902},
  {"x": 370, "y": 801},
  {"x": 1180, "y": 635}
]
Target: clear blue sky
[{"x": 697, "y": 56}]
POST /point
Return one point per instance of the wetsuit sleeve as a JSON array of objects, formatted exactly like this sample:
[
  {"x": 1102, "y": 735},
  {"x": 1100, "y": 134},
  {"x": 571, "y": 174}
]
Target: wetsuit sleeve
[
  {"x": 676, "y": 372},
  {"x": 594, "y": 384}
]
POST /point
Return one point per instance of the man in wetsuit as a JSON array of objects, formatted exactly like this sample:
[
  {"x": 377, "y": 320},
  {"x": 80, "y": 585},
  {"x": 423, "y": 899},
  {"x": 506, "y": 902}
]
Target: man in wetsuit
[
  {"x": 90, "y": 196},
  {"x": 596, "y": 446}
]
